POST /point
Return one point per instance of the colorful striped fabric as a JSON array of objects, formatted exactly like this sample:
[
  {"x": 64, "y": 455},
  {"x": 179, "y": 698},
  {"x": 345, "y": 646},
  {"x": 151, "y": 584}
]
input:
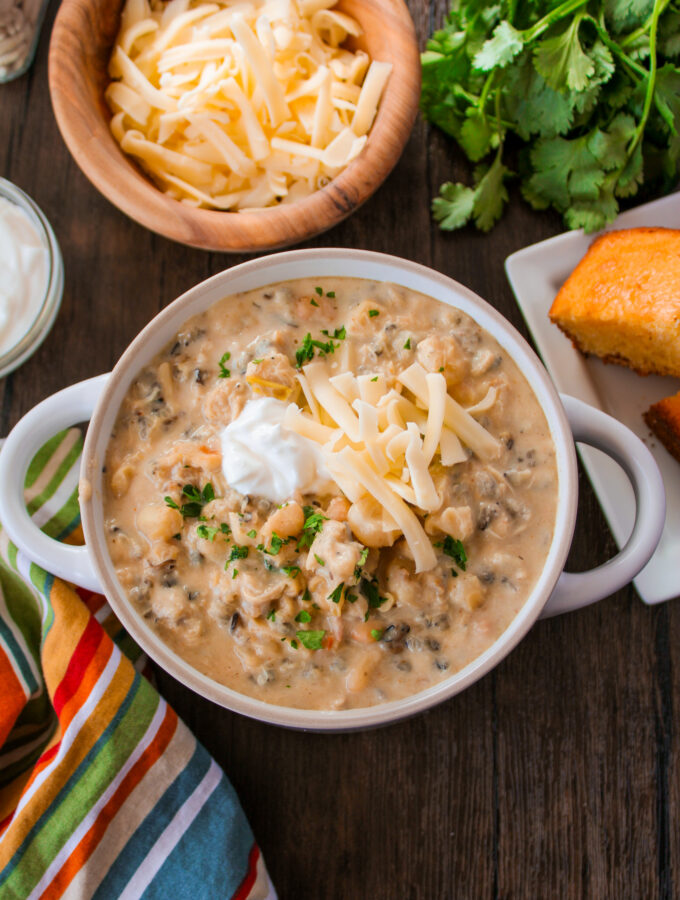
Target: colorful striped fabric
[{"x": 104, "y": 792}]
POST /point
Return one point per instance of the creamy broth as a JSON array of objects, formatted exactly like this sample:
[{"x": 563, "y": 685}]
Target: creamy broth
[{"x": 308, "y": 602}]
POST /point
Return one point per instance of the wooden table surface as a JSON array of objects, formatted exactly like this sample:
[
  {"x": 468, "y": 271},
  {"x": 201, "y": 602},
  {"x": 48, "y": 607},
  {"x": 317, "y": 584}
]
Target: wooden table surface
[{"x": 556, "y": 775}]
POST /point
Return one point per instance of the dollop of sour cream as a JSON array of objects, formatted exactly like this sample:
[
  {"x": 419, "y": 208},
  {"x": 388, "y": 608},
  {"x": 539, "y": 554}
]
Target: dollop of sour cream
[
  {"x": 260, "y": 456},
  {"x": 24, "y": 264}
]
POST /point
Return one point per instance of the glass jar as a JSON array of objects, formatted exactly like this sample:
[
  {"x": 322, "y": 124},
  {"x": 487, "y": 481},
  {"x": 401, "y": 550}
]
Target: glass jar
[{"x": 47, "y": 311}]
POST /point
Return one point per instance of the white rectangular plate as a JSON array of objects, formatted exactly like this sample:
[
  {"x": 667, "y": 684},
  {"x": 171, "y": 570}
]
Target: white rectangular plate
[{"x": 536, "y": 273}]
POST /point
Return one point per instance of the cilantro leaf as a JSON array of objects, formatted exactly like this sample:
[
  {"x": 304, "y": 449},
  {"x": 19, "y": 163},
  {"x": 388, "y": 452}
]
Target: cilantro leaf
[
  {"x": 312, "y": 640},
  {"x": 501, "y": 48},
  {"x": 562, "y": 62},
  {"x": 490, "y": 194},
  {"x": 453, "y": 207}
]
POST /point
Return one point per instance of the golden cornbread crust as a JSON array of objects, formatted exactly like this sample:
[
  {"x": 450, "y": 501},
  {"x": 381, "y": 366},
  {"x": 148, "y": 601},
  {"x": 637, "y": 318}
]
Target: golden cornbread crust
[
  {"x": 664, "y": 420},
  {"x": 622, "y": 301}
]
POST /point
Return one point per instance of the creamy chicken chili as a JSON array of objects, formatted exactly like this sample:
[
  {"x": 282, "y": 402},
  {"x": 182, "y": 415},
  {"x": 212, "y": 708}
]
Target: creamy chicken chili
[{"x": 330, "y": 494}]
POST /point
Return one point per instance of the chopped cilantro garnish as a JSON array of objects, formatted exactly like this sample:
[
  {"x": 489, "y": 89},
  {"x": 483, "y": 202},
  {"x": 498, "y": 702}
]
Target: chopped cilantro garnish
[
  {"x": 206, "y": 532},
  {"x": 306, "y": 597},
  {"x": 256, "y": 362},
  {"x": 312, "y": 640},
  {"x": 313, "y": 302},
  {"x": 319, "y": 291},
  {"x": 441, "y": 368},
  {"x": 303, "y": 616},
  {"x": 375, "y": 378},
  {"x": 407, "y": 345},
  {"x": 373, "y": 312},
  {"x": 336, "y": 593},
  {"x": 305, "y": 351},
  {"x": 313, "y": 524},
  {"x": 339, "y": 333},
  {"x": 237, "y": 553},
  {"x": 331, "y": 294},
  {"x": 370, "y": 591},
  {"x": 294, "y": 645},
  {"x": 291, "y": 571},
  {"x": 455, "y": 550},
  {"x": 178, "y": 536},
  {"x": 197, "y": 500},
  {"x": 252, "y": 533},
  {"x": 271, "y": 615},
  {"x": 454, "y": 574},
  {"x": 351, "y": 598},
  {"x": 269, "y": 565},
  {"x": 224, "y": 372},
  {"x": 376, "y": 633},
  {"x": 234, "y": 573},
  {"x": 363, "y": 556},
  {"x": 275, "y": 544},
  {"x": 320, "y": 561}
]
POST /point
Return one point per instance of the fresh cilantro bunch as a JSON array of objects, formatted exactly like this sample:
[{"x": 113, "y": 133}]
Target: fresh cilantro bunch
[{"x": 590, "y": 89}]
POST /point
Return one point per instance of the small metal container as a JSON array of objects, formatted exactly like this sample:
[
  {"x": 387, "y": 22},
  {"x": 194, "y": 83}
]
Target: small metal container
[{"x": 54, "y": 288}]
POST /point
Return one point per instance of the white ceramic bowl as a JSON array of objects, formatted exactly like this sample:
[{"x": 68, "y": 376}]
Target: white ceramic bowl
[{"x": 99, "y": 399}]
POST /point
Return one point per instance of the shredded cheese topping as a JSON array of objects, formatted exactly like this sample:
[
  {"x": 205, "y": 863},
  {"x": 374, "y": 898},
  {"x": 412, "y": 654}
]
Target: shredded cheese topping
[
  {"x": 241, "y": 105},
  {"x": 377, "y": 441}
]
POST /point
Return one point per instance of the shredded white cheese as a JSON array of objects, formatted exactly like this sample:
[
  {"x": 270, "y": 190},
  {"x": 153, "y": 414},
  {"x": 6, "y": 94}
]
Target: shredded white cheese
[
  {"x": 237, "y": 105},
  {"x": 384, "y": 443}
]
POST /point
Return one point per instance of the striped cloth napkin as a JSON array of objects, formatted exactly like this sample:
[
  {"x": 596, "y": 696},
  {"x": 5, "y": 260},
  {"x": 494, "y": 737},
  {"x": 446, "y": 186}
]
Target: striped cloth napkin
[{"x": 104, "y": 792}]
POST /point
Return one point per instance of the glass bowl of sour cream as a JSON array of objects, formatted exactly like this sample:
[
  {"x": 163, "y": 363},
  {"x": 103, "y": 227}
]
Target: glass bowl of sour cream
[{"x": 32, "y": 280}]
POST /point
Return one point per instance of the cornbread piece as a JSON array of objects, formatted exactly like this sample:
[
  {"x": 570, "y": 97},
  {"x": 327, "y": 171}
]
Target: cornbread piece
[
  {"x": 664, "y": 420},
  {"x": 622, "y": 301}
]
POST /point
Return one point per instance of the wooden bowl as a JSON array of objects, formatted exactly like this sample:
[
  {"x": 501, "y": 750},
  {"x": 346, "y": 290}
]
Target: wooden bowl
[{"x": 82, "y": 38}]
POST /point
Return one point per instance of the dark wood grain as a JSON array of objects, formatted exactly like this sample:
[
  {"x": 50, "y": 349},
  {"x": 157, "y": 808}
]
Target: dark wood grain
[{"x": 557, "y": 775}]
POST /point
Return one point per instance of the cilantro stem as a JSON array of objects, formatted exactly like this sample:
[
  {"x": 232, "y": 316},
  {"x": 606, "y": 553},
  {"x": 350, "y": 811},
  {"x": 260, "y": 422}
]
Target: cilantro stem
[
  {"x": 553, "y": 16},
  {"x": 651, "y": 84},
  {"x": 615, "y": 48},
  {"x": 639, "y": 32}
]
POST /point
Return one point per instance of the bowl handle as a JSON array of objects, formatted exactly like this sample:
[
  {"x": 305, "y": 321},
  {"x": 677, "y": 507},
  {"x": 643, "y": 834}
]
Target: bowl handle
[
  {"x": 68, "y": 407},
  {"x": 595, "y": 428}
]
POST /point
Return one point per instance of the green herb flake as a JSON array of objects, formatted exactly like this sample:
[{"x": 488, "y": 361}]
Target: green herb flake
[
  {"x": 224, "y": 372},
  {"x": 306, "y": 597},
  {"x": 376, "y": 633},
  {"x": 303, "y": 616},
  {"x": 455, "y": 549},
  {"x": 294, "y": 644},
  {"x": 197, "y": 499},
  {"x": 252, "y": 533},
  {"x": 373, "y": 313},
  {"x": 351, "y": 598},
  {"x": 224, "y": 528},
  {"x": 207, "y": 532},
  {"x": 363, "y": 556},
  {"x": 336, "y": 593},
  {"x": 375, "y": 378},
  {"x": 291, "y": 571},
  {"x": 178, "y": 536},
  {"x": 238, "y": 553},
  {"x": 370, "y": 591},
  {"x": 271, "y": 615},
  {"x": 313, "y": 302},
  {"x": 320, "y": 561},
  {"x": 234, "y": 573},
  {"x": 313, "y": 525},
  {"x": 269, "y": 565},
  {"x": 407, "y": 345},
  {"x": 256, "y": 362},
  {"x": 331, "y": 294},
  {"x": 319, "y": 291},
  {"x": 311, "y": 640}
]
